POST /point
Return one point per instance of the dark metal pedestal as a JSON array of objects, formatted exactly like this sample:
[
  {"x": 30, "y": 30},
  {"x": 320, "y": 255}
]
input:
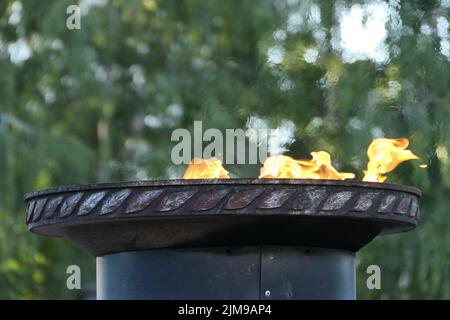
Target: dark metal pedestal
[
  {"x": 255, "y": 272},
  {"x": 268, "y": 224}
]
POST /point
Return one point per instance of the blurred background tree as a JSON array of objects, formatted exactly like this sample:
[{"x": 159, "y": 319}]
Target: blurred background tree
[{"x": 99, "y": 104}]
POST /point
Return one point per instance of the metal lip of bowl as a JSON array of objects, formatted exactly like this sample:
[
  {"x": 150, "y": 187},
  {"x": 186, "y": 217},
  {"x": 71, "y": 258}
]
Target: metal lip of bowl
[
  {"x": 140, "y": 215},
  {"x": 234, "y": 181}
]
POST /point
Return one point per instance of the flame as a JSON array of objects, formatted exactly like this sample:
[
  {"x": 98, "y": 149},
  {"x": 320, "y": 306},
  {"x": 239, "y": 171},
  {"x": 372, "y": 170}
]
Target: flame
[
  {"x": 319, "y": 167},
  {"x": 325, "y": 170},
  {"x": 280, "y": 167},
  {"x": 384, "y": 156},
  {"x": 206, "y": 169}
]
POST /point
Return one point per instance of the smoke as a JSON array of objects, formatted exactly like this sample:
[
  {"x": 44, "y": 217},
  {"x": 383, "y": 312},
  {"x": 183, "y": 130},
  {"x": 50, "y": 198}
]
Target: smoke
[
  {"x": 278, "y": 139},
  {"x": 281, "y": 138}
]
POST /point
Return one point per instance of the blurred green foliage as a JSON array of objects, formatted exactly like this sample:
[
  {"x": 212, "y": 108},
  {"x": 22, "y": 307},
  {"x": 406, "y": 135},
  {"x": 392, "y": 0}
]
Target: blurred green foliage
[{"x": 100, "y": 103}]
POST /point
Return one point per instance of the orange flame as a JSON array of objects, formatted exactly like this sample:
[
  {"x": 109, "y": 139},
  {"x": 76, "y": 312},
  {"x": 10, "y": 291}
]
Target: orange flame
[
  {"x": 384, "y": 156},
  {"x": 319, "y": 167},
  {"x": 280, "y": 167},
  {"x": 206, "y": 169}
]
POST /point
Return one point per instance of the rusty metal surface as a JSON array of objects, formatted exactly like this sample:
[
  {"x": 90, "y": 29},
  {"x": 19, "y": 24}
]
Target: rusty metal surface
[{"x": 114, "y": 217}]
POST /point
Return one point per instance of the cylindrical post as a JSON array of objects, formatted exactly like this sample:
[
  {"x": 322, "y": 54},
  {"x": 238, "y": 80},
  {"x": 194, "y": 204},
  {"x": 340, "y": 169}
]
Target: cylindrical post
[{"x": 257, "y": 272}]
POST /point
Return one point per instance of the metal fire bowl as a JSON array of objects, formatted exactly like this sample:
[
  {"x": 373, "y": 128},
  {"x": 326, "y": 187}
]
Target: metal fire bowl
[{"x": 117, "y": 217}]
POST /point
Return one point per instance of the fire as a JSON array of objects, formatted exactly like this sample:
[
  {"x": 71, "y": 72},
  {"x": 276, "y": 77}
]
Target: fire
[
  {"x": 384, "y": 156},
  {"x": 322, "y": 160},
  {"x": 280, "y": 167},
  {"x": 206, "y": 169},
  {"x": 319, "y": 167}
]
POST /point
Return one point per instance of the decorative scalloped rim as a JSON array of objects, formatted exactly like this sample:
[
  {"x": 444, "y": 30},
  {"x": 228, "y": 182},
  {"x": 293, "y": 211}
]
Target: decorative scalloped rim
[
  {"x": 214, "y": 182},
  {"x": 183, "y": 198}
]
